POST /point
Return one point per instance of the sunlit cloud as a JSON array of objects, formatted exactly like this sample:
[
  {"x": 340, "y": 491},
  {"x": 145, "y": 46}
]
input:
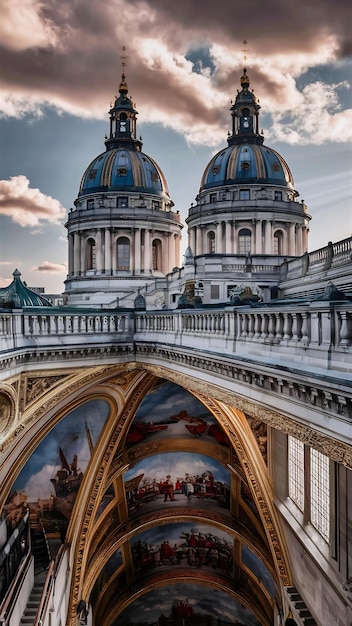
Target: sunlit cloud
[
  {"x": 23, "y": 25},
  {"x": 66, "y": 55},
  {"x": 26, "y": 206},
  {"x": 48, "y": 266}
]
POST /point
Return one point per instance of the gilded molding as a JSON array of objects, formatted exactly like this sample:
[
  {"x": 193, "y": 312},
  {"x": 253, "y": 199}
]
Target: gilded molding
[{"x": 81, "y": 553}]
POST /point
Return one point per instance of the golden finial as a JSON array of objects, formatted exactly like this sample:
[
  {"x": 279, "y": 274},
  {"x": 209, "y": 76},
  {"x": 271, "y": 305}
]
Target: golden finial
[
  {"x": 245, "y": 53},
  {"x": 244, "y": 78},
  {"x": 123, "y": 85}
]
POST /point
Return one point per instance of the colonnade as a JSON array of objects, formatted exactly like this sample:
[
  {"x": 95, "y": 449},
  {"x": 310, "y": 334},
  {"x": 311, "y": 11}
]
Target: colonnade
[
  {"x": 149, "y": 250},
  {"x": 293, "y": 237}
]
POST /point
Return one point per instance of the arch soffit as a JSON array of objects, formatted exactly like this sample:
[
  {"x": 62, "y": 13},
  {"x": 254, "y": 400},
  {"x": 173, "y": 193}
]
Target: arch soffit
[
  {"x": 52, "y": 404},
  {"x": 244, "y": 444}
]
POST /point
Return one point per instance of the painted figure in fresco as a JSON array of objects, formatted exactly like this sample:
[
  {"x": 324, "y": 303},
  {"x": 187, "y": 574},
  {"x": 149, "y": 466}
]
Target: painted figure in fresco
[
  {"x": 167, "y": 553},
  {"x": 168, "y": 489},
  {"x": 189, "y": 489}
]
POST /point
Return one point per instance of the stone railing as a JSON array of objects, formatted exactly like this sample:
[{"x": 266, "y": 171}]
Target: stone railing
[
  {"x": 318, "y": 334},
  {"x": 332, "y": 255}
]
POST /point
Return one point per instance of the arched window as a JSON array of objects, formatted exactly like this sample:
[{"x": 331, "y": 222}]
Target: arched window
[
  {"x": 244, "y": 241},
  {"x": 211, "y": 242},
  {"x": 91, "y": 254},
  {"x": 156, "y": 252},
  {"x": 123, "y": 123},
  {"x": 123, "y": 253},
  {"x": 278, "y": 242}
]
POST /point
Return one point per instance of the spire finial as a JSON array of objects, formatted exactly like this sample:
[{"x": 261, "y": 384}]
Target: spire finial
[
  {"x": 244, "y": 78},
  {"x": 245, "y": 53},
  {"x": 123, "y": 89}
]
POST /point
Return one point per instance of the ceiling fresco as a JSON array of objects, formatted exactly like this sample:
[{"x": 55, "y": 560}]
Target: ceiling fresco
[
  {"x": 180, "y": 604},
  {"x": 174, "y": 507},
  {"x": 179, "y": 511},
  {"x": 50, "y": 480}
]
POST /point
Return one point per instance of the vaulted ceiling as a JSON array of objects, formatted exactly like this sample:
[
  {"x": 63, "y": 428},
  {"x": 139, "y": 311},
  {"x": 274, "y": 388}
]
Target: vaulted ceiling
[{"x": 165, "y": 498}]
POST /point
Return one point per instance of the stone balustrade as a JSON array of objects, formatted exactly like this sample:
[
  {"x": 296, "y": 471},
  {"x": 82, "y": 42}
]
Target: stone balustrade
[
  {"x": 331, "y": 256},
  {"x": 318, "y": 333}
]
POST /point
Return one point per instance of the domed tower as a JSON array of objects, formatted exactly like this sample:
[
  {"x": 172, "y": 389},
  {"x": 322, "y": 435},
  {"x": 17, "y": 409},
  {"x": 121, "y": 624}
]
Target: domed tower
[
  {"x": 247, "y": 201},
  {"x": 122, "y": 230}
]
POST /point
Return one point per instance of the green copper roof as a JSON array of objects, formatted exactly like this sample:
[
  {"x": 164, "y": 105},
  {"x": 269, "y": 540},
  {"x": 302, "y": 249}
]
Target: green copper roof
[{"x": 17, "y": 295}]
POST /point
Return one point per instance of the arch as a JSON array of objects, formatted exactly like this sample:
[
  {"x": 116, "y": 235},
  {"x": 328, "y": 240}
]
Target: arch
[
  {"x": 91, "y": 254},
  {"x": 110, "y": 470},
  {"x": 157, "y": 255},
  {"x": 123, "y": 253},
  {"x": 211, "y": 242},
  {"x": 244, "y": 241},
  {"x": 278, "y": 242}
]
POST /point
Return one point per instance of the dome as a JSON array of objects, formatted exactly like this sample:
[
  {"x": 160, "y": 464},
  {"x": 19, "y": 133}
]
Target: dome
[
  {"x": 123, "y": 169},
  {"x": 18, "y": 295},
  {"x": 246, "y": 163}
]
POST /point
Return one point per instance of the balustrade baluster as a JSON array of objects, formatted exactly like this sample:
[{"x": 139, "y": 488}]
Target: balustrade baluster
[
  {"x": 345, "y": 334},
  {"x": 264, "y": 326},
  {"x": 296, "y": 327},
  {"x": 287, "y": 326},
  {"x": 251, "y": 320},
  {"x": 257, "y": 326},
  {"x": 305, "y": 329},
  {"x": 244, "y": 323},
  {"x": 279, "y": 326},
  {"x": 272, "y": 326}
]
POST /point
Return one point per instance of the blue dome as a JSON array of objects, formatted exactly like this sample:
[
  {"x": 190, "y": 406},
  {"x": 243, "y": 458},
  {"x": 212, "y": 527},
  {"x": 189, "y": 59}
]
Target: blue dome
[
  {"x": 246, "y": 163},
  {"x": 121, "y": 169}
]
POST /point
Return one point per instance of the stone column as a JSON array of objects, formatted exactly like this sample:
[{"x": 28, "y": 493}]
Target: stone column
[
  {"x": 171, "y": 254},
  {"x": 300, "y": 240},
  {"x": 107, "y": 261},
  {"x": 147, "y": 252},
  {"x": 218, "y": 239},
  {"x": 76, "y": 253},
  {"x": 228, "y": 239},
  {"x": 268, "y": 237},
  {"x": 235, "y": 238},
  {"x": 192, "y": 240},
  {"x": 99, "y": 250},
  {"x": 113, "y": 253},
  {"x": 258, "y": 237},
  {"x": 137, "y": 251},
  {"x": 83, "y": 244},
  {"x": 70, "y": 254},
  {"x": 292, "y": 240}
]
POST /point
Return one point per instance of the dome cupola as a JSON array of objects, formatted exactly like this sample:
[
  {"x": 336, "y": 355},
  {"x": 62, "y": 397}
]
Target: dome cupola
[
  {"x": 122, "y": 231},
  {"x": 247, "y": 199}
]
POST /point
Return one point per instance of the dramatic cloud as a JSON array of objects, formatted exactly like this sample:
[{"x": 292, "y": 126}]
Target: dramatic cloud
[
  {"x": 184, "y": 61},
  {"x": 47, "y": 266},
  {"x": 28, "y": 207}
]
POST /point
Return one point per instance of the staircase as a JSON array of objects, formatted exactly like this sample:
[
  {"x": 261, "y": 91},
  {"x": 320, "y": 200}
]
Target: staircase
[
  {"x": 300, "y": 607},
  {"x": 41, "y": 553},
  {"x": 29, "y": 615}
]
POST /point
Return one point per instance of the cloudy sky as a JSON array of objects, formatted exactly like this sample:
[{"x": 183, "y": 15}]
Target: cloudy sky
[{"x": 60, "y": 69}]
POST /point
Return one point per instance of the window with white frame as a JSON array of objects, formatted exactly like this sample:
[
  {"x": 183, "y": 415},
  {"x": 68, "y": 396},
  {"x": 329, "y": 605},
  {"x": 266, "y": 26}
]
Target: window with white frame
[
  {"x": 320, "y": 493},
  {"x": 309, "y": 484},
  {"x": 296, "y": 471},
  {"x": 244, "y": 241},
  {"x": 123, "y": 253}
]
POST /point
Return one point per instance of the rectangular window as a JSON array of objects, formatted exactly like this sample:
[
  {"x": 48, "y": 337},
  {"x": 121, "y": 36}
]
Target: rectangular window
[
  {"x": 244, "y": 194},
  {"x": 90, "y": 204},
  {"x": 278, "y": 195},
  {"x": 212, "y": 197},
  {"x": 122, "y": 203},
  {"x": 320, "y": 493},
  {"x": 296, "y": 471},
  {"x": 214, "y": 292}
]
